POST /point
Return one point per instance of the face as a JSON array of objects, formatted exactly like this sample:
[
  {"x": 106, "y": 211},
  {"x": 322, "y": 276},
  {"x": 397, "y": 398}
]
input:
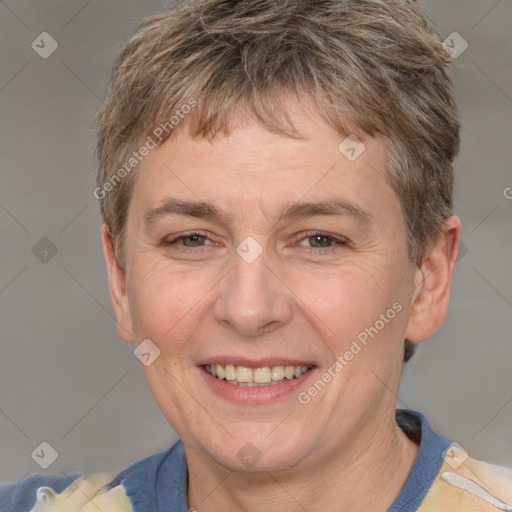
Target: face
[{"x": 257, "y": 257}]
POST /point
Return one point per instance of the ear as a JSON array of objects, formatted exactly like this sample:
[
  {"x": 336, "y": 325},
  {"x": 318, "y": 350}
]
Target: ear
[
  {"x": 433, "y": 284},
  {"x": 117, "y": 285}
]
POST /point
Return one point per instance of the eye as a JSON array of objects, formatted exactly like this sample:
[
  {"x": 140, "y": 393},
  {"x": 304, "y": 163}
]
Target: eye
[
  {"x": 316, "y": 241},
  {"x": 321, "y": 241},
  {"x": 189, "y": 240}
]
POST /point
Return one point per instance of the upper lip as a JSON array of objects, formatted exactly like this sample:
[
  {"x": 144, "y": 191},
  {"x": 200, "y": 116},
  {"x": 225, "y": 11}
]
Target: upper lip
[{"x": 255, "y": 363}]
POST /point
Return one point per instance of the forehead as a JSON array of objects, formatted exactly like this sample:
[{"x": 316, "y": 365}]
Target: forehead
[{"x": 322, "y": 172}]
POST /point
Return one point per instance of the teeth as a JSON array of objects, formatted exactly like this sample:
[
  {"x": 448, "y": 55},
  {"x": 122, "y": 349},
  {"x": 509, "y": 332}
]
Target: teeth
[
  {"x": 244, "y": 376},
  {"x": 230, "y": 372},
  {"x": 262, "y": 375},
  {"x": 277, "y": 373},
  {"x": 289, "y": 372}
]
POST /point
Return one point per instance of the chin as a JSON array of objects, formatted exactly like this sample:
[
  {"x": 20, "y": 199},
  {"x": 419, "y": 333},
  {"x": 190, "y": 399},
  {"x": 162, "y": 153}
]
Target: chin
[{"x": 258, "y": 453}]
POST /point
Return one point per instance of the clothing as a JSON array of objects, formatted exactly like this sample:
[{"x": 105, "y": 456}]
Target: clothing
[{"x": 443, "y": 479}]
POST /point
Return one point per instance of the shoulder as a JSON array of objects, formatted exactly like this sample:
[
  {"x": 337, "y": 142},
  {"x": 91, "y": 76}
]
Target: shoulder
[
  {"x": 82, "y": 493},
  {"x": 445, "y": 478},
  {"x": 465, "y": 483},
  {"x": 52, "y": 493},
  {"x": 22, "y": 495}
]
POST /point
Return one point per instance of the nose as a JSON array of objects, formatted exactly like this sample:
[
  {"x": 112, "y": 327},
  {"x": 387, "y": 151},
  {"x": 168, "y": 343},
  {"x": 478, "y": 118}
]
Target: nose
[{"x": 253, "y": 299}]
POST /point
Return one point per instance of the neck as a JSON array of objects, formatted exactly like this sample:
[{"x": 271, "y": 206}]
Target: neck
[{"x": 366, "y": 476}]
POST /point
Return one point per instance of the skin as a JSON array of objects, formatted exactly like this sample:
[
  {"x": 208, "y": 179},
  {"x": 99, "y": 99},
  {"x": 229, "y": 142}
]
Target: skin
[{"x": 302, "y": 298}]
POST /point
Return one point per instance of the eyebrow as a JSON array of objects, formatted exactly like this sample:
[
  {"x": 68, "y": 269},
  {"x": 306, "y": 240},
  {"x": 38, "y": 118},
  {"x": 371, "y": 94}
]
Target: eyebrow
[
  {"x": 295, "y": 211},
  {"x": 328, "y": 207}
]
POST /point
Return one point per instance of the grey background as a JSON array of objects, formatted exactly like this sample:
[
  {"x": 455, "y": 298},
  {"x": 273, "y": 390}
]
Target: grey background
[{"x": 66, "y": 379}]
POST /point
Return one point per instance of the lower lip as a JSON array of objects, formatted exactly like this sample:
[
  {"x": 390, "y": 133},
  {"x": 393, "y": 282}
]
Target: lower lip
[{"x": 255, "y": 394}]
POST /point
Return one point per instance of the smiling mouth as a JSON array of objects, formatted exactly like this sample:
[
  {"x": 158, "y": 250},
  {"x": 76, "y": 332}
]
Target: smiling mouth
[{"x": 264, "y": 376}]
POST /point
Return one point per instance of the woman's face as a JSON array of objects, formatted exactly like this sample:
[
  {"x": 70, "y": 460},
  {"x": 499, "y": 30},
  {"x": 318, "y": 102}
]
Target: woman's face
[{"x": 266, "y": 261}]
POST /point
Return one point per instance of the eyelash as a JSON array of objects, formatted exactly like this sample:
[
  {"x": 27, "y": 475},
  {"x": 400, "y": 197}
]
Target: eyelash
[{"x": 339, "y": 242}]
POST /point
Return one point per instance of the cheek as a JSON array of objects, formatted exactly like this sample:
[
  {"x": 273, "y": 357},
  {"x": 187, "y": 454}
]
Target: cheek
[
  {"x": 164, "y": 301},
  {"x": 362, "y": 301}
]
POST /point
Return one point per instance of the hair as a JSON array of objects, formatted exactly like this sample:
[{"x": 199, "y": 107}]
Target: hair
[{"x": 377, "y": 65}]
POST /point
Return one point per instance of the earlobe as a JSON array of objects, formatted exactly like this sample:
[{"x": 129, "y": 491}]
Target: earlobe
[
  {"x": 433, "y": 284},
  {"x": 117, "y": 286}
]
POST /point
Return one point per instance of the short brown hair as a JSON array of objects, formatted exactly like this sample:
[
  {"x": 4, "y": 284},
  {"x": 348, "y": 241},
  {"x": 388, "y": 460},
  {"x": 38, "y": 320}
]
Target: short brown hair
[{"x": 376, "y": 64}]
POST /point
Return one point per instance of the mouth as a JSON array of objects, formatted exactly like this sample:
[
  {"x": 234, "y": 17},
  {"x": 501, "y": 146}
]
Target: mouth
[{"x": 238, "y": 375}]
